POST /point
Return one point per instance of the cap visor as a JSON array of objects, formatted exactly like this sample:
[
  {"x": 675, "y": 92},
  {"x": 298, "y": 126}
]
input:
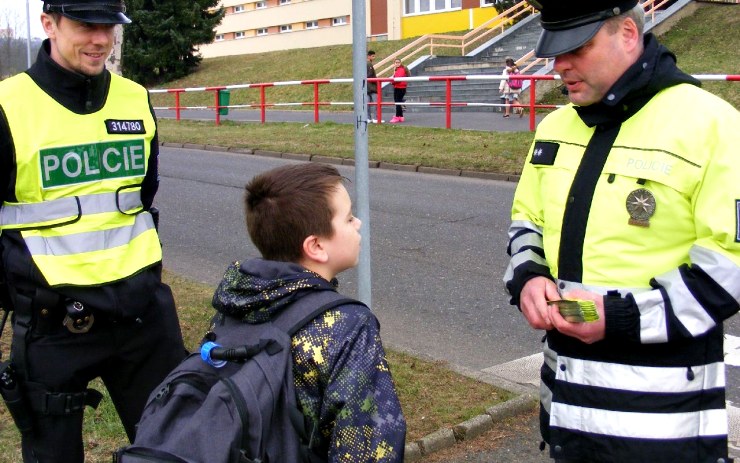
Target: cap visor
[
  {"x": 554, "y": 43},
  {"x": 98, "y": 17}
]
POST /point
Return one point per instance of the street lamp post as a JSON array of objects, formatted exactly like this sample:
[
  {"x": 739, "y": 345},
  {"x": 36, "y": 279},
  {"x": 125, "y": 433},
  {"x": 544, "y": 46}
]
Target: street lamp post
[{"x": 28, "y": 35}]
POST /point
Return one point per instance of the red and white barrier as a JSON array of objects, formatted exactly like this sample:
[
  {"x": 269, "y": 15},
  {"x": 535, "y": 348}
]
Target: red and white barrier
[{"x": 316, "y": 103}]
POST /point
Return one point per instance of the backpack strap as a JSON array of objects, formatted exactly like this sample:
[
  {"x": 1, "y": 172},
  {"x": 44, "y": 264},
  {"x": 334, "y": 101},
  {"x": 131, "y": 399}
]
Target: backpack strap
[
  {"x": 291, "y": 319},
  {"x": 296, "y": 315}
]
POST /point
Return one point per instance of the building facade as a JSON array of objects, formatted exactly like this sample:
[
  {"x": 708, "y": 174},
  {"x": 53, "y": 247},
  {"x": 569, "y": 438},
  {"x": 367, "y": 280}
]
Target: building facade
[{"x": 257, "y": 26}]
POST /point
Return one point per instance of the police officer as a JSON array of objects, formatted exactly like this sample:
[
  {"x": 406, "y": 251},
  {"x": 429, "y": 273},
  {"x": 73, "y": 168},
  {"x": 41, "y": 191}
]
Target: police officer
[
  {"x": 630, "y": 199},
  {"x": 80, "y": 253}
]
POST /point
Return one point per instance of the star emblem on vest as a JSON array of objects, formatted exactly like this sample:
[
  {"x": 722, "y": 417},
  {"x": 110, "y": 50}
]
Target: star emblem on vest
[
  {"x": 640, "y": 206},
  {"x": 537, "y": 153}
]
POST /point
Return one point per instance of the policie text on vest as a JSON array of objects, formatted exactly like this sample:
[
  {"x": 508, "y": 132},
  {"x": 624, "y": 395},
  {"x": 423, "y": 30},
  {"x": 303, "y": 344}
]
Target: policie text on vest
[{"x": 92, "y": 162}]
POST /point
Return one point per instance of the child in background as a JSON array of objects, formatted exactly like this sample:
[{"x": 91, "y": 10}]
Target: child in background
[{"x": 399, "y": 90}]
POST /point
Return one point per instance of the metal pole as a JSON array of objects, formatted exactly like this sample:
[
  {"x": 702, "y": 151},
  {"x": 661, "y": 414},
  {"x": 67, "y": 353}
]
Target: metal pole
[
  {"x": 28, "y": 35},
  {"x": 362, "y": 183}
]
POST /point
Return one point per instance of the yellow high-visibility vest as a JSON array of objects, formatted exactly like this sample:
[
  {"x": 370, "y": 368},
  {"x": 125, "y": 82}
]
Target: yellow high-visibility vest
[
  {"x": 695, "y": 201},
  {"x": 78, "y": 182}
]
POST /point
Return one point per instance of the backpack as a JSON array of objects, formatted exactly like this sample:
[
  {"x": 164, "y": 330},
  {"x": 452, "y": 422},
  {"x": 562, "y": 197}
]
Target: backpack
[
  {"x": 515, "y": 83},
  {"x": 244, "y": 411}
]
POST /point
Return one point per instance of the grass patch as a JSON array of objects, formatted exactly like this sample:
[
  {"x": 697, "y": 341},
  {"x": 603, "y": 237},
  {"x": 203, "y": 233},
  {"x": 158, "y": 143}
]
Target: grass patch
[
  {"x": 432, "y": 147},
  {"x": 431, "y": 395}
]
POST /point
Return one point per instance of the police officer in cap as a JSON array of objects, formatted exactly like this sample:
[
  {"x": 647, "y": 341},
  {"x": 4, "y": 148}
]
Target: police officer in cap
[
  {"x": 629, "y": 204},
  {"x": 81, "y": 258}
]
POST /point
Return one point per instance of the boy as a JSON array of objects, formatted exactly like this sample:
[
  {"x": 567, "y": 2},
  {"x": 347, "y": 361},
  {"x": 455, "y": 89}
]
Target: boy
[{"x": 300, "y": 219}]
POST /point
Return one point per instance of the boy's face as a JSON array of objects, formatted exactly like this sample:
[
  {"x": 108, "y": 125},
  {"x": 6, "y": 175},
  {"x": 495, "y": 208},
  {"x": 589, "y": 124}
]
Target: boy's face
[{"x": 343, "y": 247}]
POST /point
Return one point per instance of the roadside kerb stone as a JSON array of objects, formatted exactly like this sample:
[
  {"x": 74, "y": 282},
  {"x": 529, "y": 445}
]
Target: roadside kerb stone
[
  {"x": 412, "y": 452},
  {"x": 297, "y": 156},
  {"x": 269, "y": 154},
  {"x": 485, "y": 175},
  {"x": 233, "y": 149},
  {"x": 351, "y": 162},
  {"x": 473, "y": 427},
  {"x": 439, "y": 171},
  {"x": 172, "y": 145},
  {"x": 327, "y": 159},
  {"x": 513, "y": 407},
  {"x": 217, "y": 148},
  {"x": 400, "y": 167},
  {"x": 438, "y": 440},
  {"x": 193, "y": 146}
]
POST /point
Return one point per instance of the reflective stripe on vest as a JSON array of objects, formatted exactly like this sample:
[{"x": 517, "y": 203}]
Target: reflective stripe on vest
[
  {"x": 89, "y": 241},
  {"x": 64, "y": 210}
]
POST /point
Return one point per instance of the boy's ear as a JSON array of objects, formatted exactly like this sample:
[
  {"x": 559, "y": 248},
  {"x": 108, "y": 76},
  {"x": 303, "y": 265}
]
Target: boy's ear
[{"x": 313, "y": 249}]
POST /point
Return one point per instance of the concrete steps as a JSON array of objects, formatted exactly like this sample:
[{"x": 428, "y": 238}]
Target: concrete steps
[{"x": 486, "y": 60}]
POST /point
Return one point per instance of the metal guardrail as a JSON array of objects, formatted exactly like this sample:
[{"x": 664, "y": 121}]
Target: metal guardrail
[{"x": 316, "y": 103}]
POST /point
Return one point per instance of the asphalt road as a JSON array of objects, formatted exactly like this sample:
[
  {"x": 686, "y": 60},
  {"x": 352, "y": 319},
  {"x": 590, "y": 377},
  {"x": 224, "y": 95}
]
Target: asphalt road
[
  {"x": 438, "y": 251},
  {"x": 438, "y": 254}
]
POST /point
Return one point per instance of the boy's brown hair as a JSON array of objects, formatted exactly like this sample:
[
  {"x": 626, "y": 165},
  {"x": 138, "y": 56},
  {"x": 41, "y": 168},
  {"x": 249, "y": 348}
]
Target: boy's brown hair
[{"x": 284, "y": 206}]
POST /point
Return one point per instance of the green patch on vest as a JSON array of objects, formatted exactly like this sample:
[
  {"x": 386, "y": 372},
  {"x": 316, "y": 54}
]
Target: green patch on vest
[{"x": 91, "y": 162}]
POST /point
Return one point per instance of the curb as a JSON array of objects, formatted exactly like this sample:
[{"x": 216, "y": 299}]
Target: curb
[
  {"x": 448, "y": 437},
  {"x": 349, "y": 162},
  {"x": 526, "y": 399}
]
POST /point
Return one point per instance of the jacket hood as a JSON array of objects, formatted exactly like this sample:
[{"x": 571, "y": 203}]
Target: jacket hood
[
  {"x": 256, "y": 290},
  {"x": 656, "y": 70}
]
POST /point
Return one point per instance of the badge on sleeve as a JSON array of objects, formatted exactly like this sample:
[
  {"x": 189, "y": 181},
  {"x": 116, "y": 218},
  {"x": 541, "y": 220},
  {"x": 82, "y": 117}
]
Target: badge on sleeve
[
  {"x": 124, "y": 127},
  {"x": 544, "y": 153},
  {"x": 640, "y": 206}
]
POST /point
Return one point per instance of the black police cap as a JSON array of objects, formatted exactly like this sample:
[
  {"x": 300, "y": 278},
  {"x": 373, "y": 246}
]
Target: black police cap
[
  {"x": 568, "y": 24},
  {"x": 90, "y": 11}
]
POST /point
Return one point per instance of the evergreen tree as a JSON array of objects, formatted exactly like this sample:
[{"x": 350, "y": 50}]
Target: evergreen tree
[{"x": 159, "y": 45}]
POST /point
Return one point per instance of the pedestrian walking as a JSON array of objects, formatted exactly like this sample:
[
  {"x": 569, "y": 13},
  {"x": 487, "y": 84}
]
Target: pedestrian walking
[
  {"x": 399, "y": 90},
  {"x": 372, "y": 87}
]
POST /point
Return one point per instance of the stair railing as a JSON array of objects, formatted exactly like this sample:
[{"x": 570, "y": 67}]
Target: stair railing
[{"x": 495, "y": 25}]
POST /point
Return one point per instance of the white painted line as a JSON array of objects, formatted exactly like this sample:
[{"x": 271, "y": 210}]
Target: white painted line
[{"x": 732, "y": 350}]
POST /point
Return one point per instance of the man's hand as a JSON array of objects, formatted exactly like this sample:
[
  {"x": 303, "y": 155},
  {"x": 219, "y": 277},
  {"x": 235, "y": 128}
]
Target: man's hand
[
  {"x": 585, "y": 332},
  {"x": 533, "y": 302}
]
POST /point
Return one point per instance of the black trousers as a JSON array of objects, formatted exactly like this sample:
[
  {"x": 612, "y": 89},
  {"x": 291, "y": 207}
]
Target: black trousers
[
  {"x": 131, "y": 357},
  {"x": 398, "y": 96}
]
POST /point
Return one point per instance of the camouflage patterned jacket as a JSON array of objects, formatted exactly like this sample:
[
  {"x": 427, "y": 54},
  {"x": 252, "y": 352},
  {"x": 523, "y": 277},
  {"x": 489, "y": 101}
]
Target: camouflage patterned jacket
[{"x": 341, "y": 376}]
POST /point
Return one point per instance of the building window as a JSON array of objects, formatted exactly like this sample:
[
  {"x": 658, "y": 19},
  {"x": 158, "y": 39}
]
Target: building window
[
  {"x": 431, "y": 6},
  {"x": 286, "y": 28},
  {"x": 284, "y": 2},
  {"x": 260, "y": 5},
  {"x": 312, "y": 24},
  {"x": 262, "y": 31},
  {"x": 239, "y": 35},
  {"x": 219, "y": 37},
  {"x": 238, "y": 8},
  {"x": 339, "y": 21}
]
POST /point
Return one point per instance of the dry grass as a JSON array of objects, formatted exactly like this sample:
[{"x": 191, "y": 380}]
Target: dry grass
[
  {"x": 431, "y": 395},
  {"x": 432, "y": 147}
]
